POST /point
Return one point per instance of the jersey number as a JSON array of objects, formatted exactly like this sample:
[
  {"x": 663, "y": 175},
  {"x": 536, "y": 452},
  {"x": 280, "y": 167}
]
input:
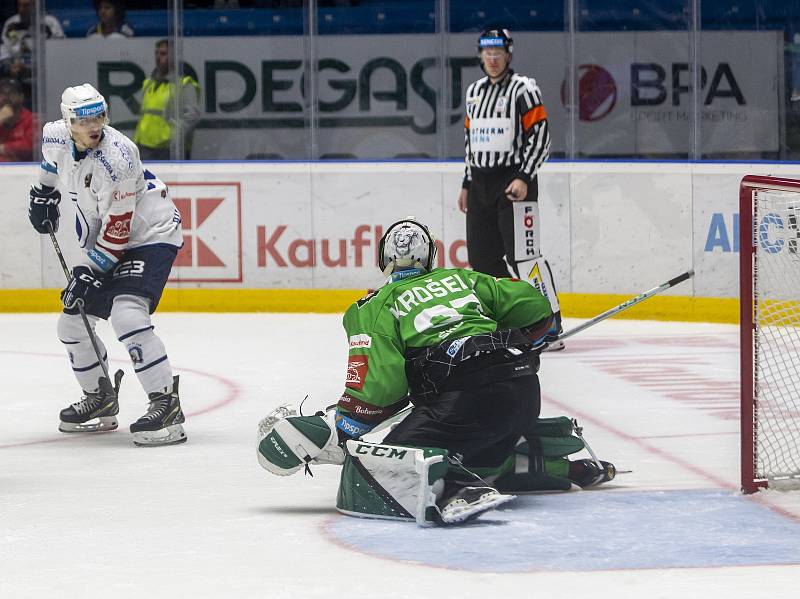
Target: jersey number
[{"x": 437, "y": 317}]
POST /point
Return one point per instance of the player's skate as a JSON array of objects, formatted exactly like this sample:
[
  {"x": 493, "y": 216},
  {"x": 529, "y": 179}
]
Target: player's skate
[
  {"x": 586, "y": 473},
  {"x": 556, "y": 345},
  {"x": 470, "y": 502},
  {"x": 95, "y": 412},
  {"x": 161, "y": 425}
]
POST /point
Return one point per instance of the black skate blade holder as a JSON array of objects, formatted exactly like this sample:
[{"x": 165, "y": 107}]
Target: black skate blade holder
[
  {"x": 106, "y": 387},
  {"x": 104, "y": 382}
]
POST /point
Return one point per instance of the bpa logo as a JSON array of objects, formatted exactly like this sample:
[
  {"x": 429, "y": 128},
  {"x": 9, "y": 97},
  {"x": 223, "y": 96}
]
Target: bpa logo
[
  {"x": 597, "y": 92},
  {"x": 210, "y": 215}
]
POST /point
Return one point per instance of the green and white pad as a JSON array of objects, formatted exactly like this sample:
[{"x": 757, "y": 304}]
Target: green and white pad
[
  {"x": 548, "y": 467},
  {"x": 391, "y": 482},
  {"x": 286, "y": 442}
]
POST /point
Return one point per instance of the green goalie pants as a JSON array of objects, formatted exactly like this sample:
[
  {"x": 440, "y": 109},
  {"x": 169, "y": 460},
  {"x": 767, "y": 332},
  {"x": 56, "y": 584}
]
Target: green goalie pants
[{"x": 480, "y": 415}]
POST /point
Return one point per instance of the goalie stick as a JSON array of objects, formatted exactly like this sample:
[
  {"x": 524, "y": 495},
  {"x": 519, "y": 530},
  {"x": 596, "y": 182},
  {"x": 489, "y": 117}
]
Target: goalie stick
[
  {"x": 580, "y": 328},
  {"x": 628, "y": 304},
  {"x": 92, "y": 338}
]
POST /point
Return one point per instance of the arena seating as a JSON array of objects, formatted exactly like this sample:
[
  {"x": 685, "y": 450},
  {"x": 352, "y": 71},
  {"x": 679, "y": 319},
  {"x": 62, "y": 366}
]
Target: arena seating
[{"x": 419, "y": 16}]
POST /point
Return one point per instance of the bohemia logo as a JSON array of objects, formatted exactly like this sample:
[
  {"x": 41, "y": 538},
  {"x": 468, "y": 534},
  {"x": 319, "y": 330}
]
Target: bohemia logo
[
  {"x": 597, "y": 92},
  {"x": 212, "y": 232}
]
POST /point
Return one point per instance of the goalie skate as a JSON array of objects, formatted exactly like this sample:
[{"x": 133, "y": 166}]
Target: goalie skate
[
  {"x": 556, "y": 345},
  {"x": 162, "y": 423},
  {"x": 95, "y": 412},
  {"x": 586, "y": 473},
  {"x": 470, "y": 502}
]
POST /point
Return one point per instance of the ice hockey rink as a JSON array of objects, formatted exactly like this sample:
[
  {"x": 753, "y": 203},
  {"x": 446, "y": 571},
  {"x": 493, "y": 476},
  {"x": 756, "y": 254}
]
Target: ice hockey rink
[{"x": 94, "y": 516}]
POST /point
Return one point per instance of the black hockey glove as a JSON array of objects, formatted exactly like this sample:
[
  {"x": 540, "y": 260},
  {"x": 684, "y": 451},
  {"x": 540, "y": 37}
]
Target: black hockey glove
[
  {"x": 541, "y": 332},
  {"x": 43, "y": 208},
  {"x": 83, "y": 289}
]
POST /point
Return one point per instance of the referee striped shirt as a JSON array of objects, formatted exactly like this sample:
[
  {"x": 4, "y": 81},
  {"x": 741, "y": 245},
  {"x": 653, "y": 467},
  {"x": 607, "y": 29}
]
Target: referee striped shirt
[{"x": 506, "y": 126}]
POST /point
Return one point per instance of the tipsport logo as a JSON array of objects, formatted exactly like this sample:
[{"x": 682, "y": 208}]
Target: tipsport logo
[{"x": 210, "y": 215}]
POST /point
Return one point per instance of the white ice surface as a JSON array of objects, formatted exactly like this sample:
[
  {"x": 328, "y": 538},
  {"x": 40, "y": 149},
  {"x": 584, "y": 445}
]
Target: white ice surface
[{"x": 93, "y": 516}]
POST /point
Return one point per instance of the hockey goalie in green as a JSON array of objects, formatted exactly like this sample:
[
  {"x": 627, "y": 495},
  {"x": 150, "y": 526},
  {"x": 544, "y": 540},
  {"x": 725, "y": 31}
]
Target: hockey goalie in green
[{"x": 446, "y": 360}]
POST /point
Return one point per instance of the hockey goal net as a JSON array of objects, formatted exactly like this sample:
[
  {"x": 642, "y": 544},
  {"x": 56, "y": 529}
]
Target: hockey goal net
[{"x": 769, "y": 285}]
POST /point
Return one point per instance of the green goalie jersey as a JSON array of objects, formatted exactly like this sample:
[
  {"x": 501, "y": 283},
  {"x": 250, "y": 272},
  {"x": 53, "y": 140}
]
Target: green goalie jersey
[{"x": 407, "y": 336}]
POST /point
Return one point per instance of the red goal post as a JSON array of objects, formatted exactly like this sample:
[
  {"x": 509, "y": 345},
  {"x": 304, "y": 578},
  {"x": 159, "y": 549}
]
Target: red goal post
[{"x": 769, "y": 291}]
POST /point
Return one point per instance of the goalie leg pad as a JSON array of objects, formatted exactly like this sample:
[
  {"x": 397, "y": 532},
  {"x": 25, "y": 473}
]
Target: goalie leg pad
[
  {"x": 392, "y": 482},
  {"x": 545, "y": 466},
  {"x": 555, "y": 439},
  {"x": 286, "y": 442}
]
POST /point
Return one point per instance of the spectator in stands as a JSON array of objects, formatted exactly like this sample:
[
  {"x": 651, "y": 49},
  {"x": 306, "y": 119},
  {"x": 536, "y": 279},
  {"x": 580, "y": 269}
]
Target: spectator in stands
[
  {"x": 111, "y": 20},
  {"x": 16, "y": 48},
  {"x": 160, "y": 113},
  {"x": 16, "y": 123}
]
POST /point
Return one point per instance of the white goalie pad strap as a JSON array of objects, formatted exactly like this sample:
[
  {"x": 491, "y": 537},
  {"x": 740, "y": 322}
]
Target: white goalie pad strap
[
  {"x": 527, "y": 239},
  {"x": 286, "y": 442},
  {"x": 331, "y": 453},
  {"x": 537, "y": 273},
  {"x": 391, "y": 482}
]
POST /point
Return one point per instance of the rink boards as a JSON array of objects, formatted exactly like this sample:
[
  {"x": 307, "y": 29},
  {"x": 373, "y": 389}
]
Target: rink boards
[{"x": 302, "y": 237}]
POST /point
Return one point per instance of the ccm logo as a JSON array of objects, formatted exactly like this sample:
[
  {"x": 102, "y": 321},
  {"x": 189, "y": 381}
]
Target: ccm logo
[{"x": 381, "y": 451}]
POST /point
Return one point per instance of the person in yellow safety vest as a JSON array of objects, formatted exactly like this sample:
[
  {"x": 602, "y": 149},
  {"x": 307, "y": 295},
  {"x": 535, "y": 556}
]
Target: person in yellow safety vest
[{"x": 157, "y": 126}]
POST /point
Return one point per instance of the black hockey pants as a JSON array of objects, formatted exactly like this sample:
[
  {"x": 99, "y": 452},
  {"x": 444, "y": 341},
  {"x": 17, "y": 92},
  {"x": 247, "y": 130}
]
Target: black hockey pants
[{"x": 486, "y": 405}]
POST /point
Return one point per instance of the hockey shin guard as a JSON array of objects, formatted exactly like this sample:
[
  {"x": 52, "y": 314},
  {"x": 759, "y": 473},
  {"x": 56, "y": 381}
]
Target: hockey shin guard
[{"x": 73, "y": 334}]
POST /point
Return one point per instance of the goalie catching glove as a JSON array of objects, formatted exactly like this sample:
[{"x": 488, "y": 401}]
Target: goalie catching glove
[{"x": 287, "y": 442}]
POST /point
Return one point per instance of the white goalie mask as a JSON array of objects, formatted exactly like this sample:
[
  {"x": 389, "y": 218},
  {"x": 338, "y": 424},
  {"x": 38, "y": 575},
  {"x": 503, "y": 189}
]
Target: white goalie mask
[
  {"x": 406, "y": 244},
  {"x": 82, "y": 103}
]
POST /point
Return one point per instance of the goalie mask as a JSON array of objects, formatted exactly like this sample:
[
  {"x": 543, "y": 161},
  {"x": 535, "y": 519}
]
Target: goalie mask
[
  {"x": 406, "y": 244},
  {"x": 85, "y": 112}
]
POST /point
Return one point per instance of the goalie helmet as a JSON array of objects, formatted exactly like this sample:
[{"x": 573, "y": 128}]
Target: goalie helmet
[
  {"x": 406, "y": 244},
  {"x": 83, "y": 101}
]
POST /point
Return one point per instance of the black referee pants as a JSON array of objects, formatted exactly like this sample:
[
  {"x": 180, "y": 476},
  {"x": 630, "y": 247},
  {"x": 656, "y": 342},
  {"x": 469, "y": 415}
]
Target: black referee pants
[{"x": 490, "y": 221}]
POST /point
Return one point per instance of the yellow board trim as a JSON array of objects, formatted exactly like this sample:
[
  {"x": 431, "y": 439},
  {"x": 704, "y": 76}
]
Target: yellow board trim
[{"x": 573, "y": 305}]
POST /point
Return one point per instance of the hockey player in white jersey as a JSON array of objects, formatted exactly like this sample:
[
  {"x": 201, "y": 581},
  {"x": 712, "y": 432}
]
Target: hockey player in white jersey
[{"x": 130, "y": 233}]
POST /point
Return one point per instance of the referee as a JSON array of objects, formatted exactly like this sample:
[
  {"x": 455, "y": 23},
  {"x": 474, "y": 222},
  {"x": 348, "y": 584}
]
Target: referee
[{"x": 507, "y": 138}]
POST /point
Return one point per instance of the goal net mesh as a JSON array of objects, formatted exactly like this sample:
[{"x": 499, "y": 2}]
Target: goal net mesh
[{"x": 776, "y": 334}]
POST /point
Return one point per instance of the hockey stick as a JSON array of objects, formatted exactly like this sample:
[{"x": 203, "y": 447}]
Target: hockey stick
[
  {"x": 582, "y": 327},
  {"x": 628, "y": 304},
  {"x": 92, "y": 338}
]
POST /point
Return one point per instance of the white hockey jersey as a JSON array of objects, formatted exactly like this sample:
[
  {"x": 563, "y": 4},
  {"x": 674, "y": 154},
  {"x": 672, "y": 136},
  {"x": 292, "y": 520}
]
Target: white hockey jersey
[{"x": 118, "y": 204}]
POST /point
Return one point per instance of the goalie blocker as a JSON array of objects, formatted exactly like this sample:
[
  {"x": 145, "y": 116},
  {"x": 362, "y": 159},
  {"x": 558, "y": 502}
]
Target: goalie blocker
[{"x": 408, "y": 483}]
